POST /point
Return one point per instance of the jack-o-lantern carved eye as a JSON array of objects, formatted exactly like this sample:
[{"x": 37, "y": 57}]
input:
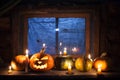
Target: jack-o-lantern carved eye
[{"x": 44, "y": 58}]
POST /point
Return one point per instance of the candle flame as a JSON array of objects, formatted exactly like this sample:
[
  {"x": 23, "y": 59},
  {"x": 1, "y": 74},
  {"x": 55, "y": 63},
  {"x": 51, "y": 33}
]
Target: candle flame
[
  {"x": 60, "y": 52},
  {"x": 10, "y": 67},
  {"x": 74, "y": 49},
  {"x": 60, "y": 43},
  {"x": 43, "y": 44},
  {"x": 89, "y": 56},
  {"x": 27, "y": 52}
]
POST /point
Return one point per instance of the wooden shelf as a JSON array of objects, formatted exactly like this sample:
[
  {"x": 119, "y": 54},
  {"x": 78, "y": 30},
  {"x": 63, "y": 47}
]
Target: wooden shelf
[{"x": 57, "y": 75}]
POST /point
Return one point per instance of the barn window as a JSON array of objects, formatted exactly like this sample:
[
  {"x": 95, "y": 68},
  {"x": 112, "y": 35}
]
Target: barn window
[
  {"x": 70, "y": 32},
  {"x": 72, "y": 29}
]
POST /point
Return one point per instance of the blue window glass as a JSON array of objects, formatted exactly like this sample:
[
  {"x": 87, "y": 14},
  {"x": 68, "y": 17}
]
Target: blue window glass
[{"x": 71, "y": 34}]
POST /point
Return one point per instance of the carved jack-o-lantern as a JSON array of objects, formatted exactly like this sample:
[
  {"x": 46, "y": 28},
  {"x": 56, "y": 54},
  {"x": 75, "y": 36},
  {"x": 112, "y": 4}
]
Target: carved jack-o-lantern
[{"x": 41, "y": 61}]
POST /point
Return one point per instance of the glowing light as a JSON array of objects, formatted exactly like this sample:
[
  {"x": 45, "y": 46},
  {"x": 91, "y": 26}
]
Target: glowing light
[
  {"x": 65, "y": 51},
  {"x": 57, "y": 29},
  {"x": 99, "y": 70},
  {"x": 74, "y": 49},
  {"x": 9, "y": 69},
  {"x": 44, "y": 45},
  {"x": 69, "y": 68},
  {"x": 60, "y": 43},
  {"x": 27, "y": 53}
]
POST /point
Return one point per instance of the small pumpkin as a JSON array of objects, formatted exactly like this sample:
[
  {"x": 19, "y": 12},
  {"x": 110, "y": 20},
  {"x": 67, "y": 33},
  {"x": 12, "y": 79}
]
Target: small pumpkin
[
  {"x": 41, "y": 61},
  {"x": 83, "y": 64},
  {"x": 103, "y": 61},
  {"x": 19, "y": 62}
]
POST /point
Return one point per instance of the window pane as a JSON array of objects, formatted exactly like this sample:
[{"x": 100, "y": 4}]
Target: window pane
[
  {"x": 42, "y": 30},
  {"x": 72, "y": 34}
]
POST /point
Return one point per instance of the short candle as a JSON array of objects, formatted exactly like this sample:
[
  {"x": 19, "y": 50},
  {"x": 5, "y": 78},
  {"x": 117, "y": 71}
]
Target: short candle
[
  {"x": 99, "y": 68},
  {"x": 65, "y": 51},
  {"x": 9, "y": 70},
  {"x": 69, "y": 68}
]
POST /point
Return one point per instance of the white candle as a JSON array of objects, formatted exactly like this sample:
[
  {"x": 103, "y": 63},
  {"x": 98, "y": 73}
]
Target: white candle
[
  {"x": 9, "y": 69},
  {"x": 27, "y": 60},
  {"x": 60, "y": 52},
  {"x": 65, "y": 51},
  {"x": 69, "y": 68},
  {"x": 27, "y": 53},
  {"x": 99, "y": 70}
]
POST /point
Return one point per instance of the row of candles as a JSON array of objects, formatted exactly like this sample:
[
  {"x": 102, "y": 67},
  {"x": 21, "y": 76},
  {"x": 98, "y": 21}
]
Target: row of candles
[{"x": 64, "y": 53}]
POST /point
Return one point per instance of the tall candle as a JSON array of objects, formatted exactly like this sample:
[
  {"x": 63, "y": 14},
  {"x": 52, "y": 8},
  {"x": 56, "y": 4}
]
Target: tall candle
[
  {"x": 27, "y": 60},
  {"x": 27, "y": 53}
]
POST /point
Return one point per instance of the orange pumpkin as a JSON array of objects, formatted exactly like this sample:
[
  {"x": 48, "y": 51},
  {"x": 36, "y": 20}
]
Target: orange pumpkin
[
  {"x": 102, "y": 61},
  {"x": 41, "y": 61},
  {"x": 18, "y": 63}
]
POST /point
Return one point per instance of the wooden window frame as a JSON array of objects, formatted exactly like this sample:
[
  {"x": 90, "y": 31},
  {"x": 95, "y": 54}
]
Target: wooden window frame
[{"x": 20, "y": 23}]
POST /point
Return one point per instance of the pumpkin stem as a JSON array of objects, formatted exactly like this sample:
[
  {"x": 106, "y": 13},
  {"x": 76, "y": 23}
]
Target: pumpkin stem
[
  {"x": 42, "y": 51},
  {"x": 103, "y": 54}
]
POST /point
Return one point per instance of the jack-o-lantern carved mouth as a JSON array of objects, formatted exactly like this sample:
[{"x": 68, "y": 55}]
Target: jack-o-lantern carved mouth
[{"x": 44, "y": 66}]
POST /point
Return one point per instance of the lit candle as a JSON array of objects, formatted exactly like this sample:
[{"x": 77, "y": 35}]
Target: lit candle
[
  {"x": 99, "y": 68},
  {"x": 27, "y": 60},
  {"x": 9, "y": 69},
  {"x": 69, "y": 68},
  {"x": 89, "y": 57},
  {"x": 60, "y": 53},
  {"x": 43, "y": 45},
  {"x": 27, "y": 53},
  {"x": 60, "y": 43},
  {"x": 57, "y": 29},
  {"x": 65, "y": 51},
  {"x": 74, "y": 49}
]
